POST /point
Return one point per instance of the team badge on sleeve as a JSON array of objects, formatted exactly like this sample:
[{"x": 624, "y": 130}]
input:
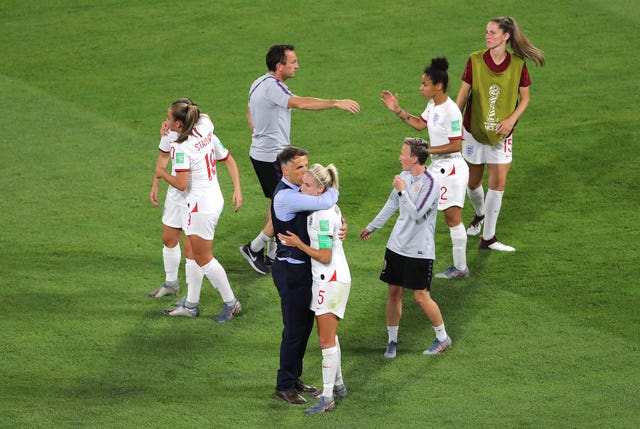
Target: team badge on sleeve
[
  {"x": 455, "y": 125},
  {"x": 325, "y": 241},
  {"x": 179, "y": 158}
]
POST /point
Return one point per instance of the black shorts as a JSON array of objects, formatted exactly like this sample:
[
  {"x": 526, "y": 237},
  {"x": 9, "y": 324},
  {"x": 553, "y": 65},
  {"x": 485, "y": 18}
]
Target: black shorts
[
  {"x": 410, "y": 273},
  {"x": 269, "y": 174}
]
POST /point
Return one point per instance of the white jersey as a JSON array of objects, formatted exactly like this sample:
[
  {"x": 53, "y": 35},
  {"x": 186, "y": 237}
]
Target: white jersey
[
  {"x": 198, "y": 155},
  {"x": 174, "y": 196},
  {"x": 323, "y": 227},
  {"x": 444, "y": 123}
]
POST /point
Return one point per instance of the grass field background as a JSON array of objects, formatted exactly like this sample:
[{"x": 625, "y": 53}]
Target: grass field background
[{"x": 545, "y": 337}]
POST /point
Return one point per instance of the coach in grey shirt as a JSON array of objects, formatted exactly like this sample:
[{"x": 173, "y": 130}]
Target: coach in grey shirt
[{"x": 269, "y": 118}]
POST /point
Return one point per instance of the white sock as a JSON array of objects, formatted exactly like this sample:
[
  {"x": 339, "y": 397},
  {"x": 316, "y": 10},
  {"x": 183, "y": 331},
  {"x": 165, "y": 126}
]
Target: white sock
[
  {"x": 259, "y": 242},
  {"x": 330, "y": 364},
  {"x": 171, "y": 257},
  {"x": 272, "y": 246},
  {"x": 194, "y": 275},
  {"x": 493, "y": 204},
  {"x": 393, "y": 333},
  {"x": 441, "y": 333},
  {"x": 339, "y": 380},
  {"x": 218, "y": 278},
  {"x": 477, "y": 199},
  {"x": 459, "y": 242}
]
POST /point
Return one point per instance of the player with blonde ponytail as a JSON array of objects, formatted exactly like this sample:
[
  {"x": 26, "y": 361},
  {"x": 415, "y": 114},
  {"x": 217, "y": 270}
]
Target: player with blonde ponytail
[{"x": 331, "y": 281}]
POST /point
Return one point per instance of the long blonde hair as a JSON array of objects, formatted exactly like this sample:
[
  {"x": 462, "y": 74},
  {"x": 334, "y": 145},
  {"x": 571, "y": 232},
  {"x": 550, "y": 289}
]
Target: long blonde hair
[
  {"x": 518, "y": 41},
  {"x": 326, "y": 176}
]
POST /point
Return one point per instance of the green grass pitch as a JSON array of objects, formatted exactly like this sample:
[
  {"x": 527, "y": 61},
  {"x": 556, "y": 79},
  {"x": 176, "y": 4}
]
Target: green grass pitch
[{"x": 546, "y": 337}]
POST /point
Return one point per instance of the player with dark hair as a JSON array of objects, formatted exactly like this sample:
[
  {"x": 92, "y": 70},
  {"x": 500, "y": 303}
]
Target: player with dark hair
[
  {"x": 269, "y": 118},
  {"x": 291, "y": 270},
  {"x": 443, "y": 121}
]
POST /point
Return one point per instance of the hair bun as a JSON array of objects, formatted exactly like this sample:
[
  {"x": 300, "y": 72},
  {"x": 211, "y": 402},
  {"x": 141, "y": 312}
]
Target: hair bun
[{"x": 441, "y": 63}]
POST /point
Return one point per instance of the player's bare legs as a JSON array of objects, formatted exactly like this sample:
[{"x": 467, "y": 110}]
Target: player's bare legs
[
  {"x": 394, "y": 313},
  {"x": 394, "y": 305},
  {"x": 432, "y": 311},
  {"x": 428, "y": 306}
]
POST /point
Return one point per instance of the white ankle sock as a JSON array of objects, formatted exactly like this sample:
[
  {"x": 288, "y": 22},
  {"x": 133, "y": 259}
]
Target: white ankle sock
[
  {"x": 339, "y": 379},
  {"x": 493, "y": 205},
  {"x": 272, "y": 246},
  {"x": 259, "y": 242},
  {"x": 330, "y": 365},
  {"x": 171, "y": 257},
  {"x": 441, "y": 333},
  {"x": 477, "y": 199},
  {"x": 459, "y": 246},
  {"x": 393, "y": 333},
  {"x": 194, "y": 277},
  {"x": 218, "y": 278}
]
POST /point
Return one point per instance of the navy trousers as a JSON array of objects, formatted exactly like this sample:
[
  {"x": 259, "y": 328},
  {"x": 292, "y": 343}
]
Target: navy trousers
[{"x": 293, "y": 282}]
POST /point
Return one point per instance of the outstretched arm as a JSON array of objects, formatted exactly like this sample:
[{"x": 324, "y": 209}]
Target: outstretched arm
[
  {"x": 390, "y": 207},
  {"x": 391, "y": 101},
  {"x": 311, "y": 103}
]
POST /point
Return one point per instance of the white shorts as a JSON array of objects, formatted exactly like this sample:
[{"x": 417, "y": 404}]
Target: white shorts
[
  {"x": 201, "y": 224},
  {"x": 477, "y": 153},
  {"x": 174, "y": 214},
  {"x": 330, "y": 297},
  {"x": 452, "y": 173}
]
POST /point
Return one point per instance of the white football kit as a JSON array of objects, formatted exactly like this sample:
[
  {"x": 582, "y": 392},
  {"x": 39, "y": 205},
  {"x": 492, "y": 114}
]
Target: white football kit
[
  {"x": 199, "y": 155},
  {"x": 444, "y": 123},
  {"x": 175, "y": 205},
  {"x": 332, "y": 281},
  {"x": 478, "y": 153}
]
